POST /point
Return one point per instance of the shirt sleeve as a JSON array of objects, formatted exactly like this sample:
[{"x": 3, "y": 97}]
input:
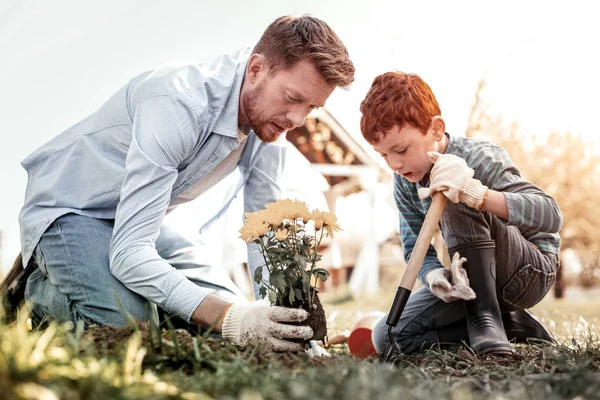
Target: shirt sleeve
[
  {"x": 411, "y": 222},
  {"x": 529, "y": 207},
  {"x": 263, "y": 187},
  {"x": 164, "y": 134}
]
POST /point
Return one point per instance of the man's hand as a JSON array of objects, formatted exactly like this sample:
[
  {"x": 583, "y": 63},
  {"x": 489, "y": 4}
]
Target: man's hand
[
  {"x": 247, "y": 323},
  {"x": 452, "y": 176},
  {"x": 451, "y": 284}
]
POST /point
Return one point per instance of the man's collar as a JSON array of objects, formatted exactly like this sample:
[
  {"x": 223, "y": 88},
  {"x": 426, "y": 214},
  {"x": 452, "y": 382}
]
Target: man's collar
[{"x": 227, "y": 123}]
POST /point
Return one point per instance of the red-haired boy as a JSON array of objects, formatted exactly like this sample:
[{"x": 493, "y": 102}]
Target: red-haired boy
[{"x": 505, "y": 227}]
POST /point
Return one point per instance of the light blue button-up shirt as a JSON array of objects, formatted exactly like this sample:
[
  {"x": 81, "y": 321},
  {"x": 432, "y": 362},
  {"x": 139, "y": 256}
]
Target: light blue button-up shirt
[{"x": 152, "y": 140}]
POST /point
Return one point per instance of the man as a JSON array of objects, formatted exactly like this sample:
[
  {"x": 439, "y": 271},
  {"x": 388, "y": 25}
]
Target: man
[{"x": 98, "y": 193}]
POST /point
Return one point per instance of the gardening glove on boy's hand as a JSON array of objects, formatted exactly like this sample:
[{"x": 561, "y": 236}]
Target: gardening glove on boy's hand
[
  {"x": 452, "y": 176},
  {"x": 451, "y": 284},
  {"x": 246, "y": 323}
]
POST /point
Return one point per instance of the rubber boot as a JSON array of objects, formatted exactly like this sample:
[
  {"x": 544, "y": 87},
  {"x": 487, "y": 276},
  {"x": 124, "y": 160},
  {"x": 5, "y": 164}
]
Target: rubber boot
[
  {"x": 523, "y": 327},
  {"x": 484, "y": 319}
]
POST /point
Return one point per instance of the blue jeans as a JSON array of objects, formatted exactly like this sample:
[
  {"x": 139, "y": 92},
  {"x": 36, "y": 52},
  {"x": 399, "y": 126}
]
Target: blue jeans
[
  {"x": 73, "y": 281},
  {"x": 524, "y": 275}
]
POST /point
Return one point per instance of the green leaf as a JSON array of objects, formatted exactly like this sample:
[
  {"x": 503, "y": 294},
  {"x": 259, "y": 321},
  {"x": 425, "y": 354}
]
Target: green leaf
[
  {"x": 301, "y": 261},
  {"x": 320, "y": 273},
  {"x": 291, "y": 296},
  {"x": 272, "y": 297},
  {"x": 277, "y": 279},
  {"x": 317, "y": 271},
  {"x": 262, "y": 292},
  {"x": 258, "y": 274}
]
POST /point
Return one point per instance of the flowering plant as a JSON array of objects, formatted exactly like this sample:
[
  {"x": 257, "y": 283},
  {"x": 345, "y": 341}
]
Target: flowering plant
[{"x": 289, "y": 237}]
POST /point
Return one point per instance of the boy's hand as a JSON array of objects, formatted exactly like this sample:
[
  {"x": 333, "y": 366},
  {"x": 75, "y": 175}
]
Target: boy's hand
[
  {"x": 451, "y": 284},
  {"x": 247, "y": 323},
  {"x": 452, "y": 176}
]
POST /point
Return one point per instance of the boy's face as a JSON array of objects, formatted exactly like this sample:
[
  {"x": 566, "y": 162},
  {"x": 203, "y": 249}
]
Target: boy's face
[
  {"x": 405, "y": 149},
  {"x": 275, "y": 102}
]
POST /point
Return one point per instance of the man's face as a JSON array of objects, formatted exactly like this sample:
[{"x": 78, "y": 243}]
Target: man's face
[
  {"x": 405, "y": 150},
  {"x": 277, "y": 102}
]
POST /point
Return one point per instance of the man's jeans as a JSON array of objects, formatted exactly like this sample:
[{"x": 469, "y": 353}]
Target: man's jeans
[
  {"x": 74, "y": 282},
  {"x": 524, "y": 275}
]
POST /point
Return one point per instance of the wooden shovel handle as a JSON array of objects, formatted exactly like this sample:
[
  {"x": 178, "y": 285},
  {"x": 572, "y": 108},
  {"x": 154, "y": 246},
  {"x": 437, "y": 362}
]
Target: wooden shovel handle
[{"x": 432, "y": 218}]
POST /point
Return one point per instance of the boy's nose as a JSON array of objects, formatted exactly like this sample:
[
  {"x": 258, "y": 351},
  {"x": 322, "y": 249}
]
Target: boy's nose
[{"x": 396, "y": 165}]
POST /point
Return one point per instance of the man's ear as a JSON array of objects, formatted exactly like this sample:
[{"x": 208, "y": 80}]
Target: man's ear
[
  {"x": 256, "y": 67},
  {"x": 439, "y": 127}
]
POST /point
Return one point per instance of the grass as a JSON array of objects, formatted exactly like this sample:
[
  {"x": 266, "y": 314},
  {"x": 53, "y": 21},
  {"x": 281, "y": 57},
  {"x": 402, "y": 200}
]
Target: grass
[{"x": 144, "y": 362}]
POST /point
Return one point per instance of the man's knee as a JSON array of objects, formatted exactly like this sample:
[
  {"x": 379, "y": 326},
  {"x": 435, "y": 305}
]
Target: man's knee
[{"x": 115, "y": 306}]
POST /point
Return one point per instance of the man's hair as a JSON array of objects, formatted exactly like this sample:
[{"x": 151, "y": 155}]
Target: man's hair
[
  {"x": 397, "y": 98},
  {"x": 288, "y": 40}
]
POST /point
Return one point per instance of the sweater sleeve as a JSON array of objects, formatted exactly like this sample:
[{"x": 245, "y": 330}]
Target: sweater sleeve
[{"x": 529, "y": 207}]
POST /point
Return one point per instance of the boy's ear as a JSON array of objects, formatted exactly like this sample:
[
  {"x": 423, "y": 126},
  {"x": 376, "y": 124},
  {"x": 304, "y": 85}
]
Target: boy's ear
[{"x": 439, "y": 127}]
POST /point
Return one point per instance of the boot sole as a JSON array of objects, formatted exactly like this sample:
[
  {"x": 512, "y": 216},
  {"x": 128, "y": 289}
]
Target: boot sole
[{"x": 497, "y": 351}]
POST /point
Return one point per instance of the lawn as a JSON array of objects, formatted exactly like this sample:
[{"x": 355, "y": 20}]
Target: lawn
[{"x": 143, "y": 362}]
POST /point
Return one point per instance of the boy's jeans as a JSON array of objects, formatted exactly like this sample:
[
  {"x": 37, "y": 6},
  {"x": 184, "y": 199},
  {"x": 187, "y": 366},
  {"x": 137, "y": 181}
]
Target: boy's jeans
[
  {"x": 523, "y": 277},
  {"x": 74, "y": 282}
]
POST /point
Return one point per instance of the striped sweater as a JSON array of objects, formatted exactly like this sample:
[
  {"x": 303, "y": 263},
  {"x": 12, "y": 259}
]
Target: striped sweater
[{"x": 534, "y": 212}]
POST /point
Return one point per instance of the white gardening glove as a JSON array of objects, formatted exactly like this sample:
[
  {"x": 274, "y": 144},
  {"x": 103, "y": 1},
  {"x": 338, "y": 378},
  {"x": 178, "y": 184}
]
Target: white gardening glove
[
  {"x": 259, "y": 322},
  {"x": 451, "y": 284},
  {"x": 452, "y": 176}
]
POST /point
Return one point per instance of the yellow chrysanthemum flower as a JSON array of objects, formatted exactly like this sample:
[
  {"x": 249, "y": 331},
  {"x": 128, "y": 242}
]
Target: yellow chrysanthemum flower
[
  {"x": 325, "y": 220},
  {"x": 282, "y": 234},
  {"x": 290, "y": 209},
  {"x": 255, "y": 226}
]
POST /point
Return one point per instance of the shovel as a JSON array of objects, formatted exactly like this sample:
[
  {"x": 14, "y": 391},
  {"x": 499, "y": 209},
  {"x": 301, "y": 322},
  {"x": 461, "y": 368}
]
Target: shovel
[{"x": 438, "y": 203}]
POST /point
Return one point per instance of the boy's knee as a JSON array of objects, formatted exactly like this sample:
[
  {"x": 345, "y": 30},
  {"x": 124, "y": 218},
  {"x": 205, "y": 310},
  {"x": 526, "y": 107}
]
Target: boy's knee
[{"x": 379, "y": 336}]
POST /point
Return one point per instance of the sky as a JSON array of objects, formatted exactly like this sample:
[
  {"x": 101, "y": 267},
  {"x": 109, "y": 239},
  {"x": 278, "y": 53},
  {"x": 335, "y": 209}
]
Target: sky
[{"x": 60, "y": 60}]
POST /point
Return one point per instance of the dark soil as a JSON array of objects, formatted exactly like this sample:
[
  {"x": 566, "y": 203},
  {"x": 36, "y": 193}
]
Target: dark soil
[
  {"x": 316, "y": 316},
  {"x": 111, "y": 342}
]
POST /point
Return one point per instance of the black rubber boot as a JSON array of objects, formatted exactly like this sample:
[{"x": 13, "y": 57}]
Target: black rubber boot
[
  {"x": 484, "y": 319},
  {"x": 523, "y": 327}
]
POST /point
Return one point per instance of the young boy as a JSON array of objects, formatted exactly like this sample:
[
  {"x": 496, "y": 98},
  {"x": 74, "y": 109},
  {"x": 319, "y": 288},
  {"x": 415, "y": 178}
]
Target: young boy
[{"x": 505, "y": 227}]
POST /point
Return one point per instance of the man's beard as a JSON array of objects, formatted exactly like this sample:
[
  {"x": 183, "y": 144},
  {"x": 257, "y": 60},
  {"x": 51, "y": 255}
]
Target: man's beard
[{"x": 262, "y": 128}]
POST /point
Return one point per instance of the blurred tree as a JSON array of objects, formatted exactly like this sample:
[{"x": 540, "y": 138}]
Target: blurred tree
[{"x": 565, "y": 166}]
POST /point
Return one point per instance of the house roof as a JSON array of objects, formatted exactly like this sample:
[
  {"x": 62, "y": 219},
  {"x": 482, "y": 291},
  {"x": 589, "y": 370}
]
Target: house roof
[{"x": 334, "y": 152}]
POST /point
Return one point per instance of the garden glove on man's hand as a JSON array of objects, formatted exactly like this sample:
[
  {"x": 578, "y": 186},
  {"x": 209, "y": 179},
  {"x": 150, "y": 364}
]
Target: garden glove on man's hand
[
  {"x": 255, "y": 322},
  {"x": 451, "y": 284},
  {"x": 452, "y": 176}
]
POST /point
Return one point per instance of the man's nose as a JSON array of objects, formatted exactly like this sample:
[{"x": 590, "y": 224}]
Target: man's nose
[{"x": 297, "y": 116}]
